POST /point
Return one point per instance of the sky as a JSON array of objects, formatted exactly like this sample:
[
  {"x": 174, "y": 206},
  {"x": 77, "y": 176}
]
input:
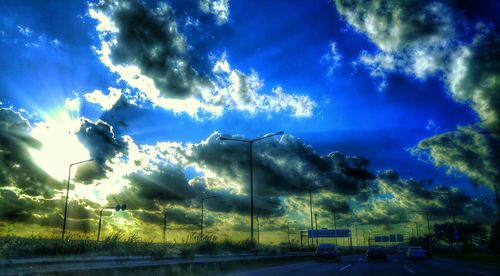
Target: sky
[{"x": 382, "y": 101}]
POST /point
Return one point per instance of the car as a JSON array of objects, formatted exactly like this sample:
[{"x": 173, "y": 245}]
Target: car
[
  {"x": 416, "y": 252},
  {"x": 327, "y": 251},
  {"x": 376, "y": 254}
]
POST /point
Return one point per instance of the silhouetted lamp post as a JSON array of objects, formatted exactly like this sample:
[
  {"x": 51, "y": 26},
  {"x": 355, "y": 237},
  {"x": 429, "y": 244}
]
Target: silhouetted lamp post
[
  {"x": 456, "y": 238},
  {"x": 67, "y": 193},
  {"x": 288, "y": 230},
  {"x": 119, "y": 207},
  {"x": 428, "y": 227},
  {"x": 201, "y": 224},
  {"x": 164, "y": 224},
  {"x": 250, "y": 142}
]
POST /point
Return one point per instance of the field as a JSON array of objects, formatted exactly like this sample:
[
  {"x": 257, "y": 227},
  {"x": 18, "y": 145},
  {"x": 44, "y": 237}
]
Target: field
[{"x": 117, "y": 245}]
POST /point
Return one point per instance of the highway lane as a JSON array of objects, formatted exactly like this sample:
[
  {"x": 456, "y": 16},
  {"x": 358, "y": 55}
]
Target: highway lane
[{"x": 397, "y": 265}]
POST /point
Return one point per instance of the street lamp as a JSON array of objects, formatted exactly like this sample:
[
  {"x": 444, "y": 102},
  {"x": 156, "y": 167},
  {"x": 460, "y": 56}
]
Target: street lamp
[
  {"x": 428, "y": 227},
  {"x": 316, "y": 220},
  {"x": 201, "y": 225},
  {"x": 119, "y": 207},
  {"x": 67, "y": 193},
  {"x": 288, "y": 230},
  {"x": 164, "y": 224},
  {"x": 310, "y": 190},
  {"x": 455, "y": 231},
  {"x": 455, "y": 236},
  {"x": 250, "y": 142}
]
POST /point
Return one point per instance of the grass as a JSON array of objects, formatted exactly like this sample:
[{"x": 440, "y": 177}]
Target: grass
[{"x": 118, "y": 245}]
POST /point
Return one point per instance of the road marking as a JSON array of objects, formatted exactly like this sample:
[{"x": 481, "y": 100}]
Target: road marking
[
  {"x": 409, "y": 270},
  {"x": 479, "y": 272},
  {"x": 345, "y": 267}
]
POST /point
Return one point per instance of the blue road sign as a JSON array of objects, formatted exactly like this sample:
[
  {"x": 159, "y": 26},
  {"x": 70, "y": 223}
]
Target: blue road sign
[{"x": 329, "y": 233}]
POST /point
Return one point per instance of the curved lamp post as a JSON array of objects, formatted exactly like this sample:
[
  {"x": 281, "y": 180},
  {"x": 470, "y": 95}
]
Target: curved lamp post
[
  {"x": 67, "y": 193},
  {"x": 250, "y": 142},
  {"x": 119, "y": 207}
]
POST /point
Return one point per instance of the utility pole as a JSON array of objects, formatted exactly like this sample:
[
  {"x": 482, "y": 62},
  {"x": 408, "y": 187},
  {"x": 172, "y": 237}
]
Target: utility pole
[
  {"x": 250, "y": 142},
  {"x": 164, "y": 224},
  {"x": 201, "y": 223},
  {"x": 316, "y": 219}
]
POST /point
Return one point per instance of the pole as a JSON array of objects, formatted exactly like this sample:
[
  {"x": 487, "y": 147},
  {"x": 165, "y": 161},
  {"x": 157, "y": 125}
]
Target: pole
[
  {"x": 288, "y": 232},
  {"x": 164, "y": 225},
  {"x": 429, "y": 232},
  {"x": 201, "y": 224},
  {"x": 456, "y": 237},
  {"x": 99, "y": 228},
  {"x": 356, "y": 234},
  {"x": 251, "y": 191},
  {"x": 258, "y": 230},
  {"x": 316, "y": 219},
  {"x": 310, "y": 207},
  {"x": 66, "y": 204}
]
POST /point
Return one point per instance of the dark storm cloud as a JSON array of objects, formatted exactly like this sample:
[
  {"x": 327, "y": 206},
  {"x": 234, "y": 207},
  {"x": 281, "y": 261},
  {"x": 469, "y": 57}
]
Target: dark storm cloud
[
  {"x": 404, "y": 196},
  {"x": 330, "y": 205},
  {"x": 149, "y": 39},
  {"x": 466, "y": 151},
  {"x": 99, "y": 139},
  {"x": 168, "y": 184},
  {"x": 283, "y": 167},
  {"x": 240, "y": 204},
  {"x": 16, "y": 166}
]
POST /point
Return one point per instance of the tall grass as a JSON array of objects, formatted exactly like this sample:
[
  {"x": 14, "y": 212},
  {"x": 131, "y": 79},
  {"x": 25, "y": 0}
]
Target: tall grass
[{"x": 119, "y": 245}]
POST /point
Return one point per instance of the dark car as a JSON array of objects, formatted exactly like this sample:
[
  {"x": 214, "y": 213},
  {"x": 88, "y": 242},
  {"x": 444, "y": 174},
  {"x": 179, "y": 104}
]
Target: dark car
[
  {"x": 327, "y": 251},
  {"x": 376, "y": 254}
]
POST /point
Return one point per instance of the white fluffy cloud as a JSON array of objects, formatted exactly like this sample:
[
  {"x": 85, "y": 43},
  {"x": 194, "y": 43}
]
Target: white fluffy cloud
[
  {"x": 219, "y": 8},
  {"x": 425, "y": 38},
  {"x": 145, "y": 48},
  {"x": 105, "y": 101}
]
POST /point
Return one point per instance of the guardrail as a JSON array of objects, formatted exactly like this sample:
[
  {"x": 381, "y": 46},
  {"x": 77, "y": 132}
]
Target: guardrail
[{"x": 172, "y": 265}]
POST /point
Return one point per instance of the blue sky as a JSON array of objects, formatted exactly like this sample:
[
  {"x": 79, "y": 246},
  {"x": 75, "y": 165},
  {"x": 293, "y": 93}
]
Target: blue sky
[{"x": 334, "y": 96}]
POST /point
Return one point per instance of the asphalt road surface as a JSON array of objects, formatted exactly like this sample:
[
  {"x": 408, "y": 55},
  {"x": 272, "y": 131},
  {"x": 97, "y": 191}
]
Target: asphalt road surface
[{"x": 397, "y": 265}]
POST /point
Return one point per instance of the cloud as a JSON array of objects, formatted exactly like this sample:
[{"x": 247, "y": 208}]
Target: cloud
[
  {"x": 424, "y": 38},
  {"x": 99, "y": 139},
  {"x": 16, "y": 166},
  {"x": 241, "y": 91},
  {"x": 166, "y": 184},
  {"x": 332, "y": 58},
  {"x": 466, "y": 151},
  {"x": 283, "y": 167},
  {"x": 219, "y": 8},
  {"x": 105, "y": 101},
  {"x": 149, "y": 53}
]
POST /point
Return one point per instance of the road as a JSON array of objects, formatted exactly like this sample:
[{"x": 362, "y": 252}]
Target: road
[{"x": 397, "y": 265}]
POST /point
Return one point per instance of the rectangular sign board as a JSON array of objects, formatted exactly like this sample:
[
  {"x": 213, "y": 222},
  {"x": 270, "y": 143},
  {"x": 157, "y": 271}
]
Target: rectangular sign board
[
  {"x": 329, "y": 233},
  {"x": 390, "y": 238}
]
